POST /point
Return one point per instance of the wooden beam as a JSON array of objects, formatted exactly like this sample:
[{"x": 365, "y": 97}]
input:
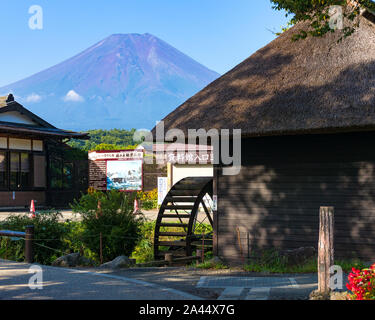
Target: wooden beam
[{"x": 215, "y": 210}]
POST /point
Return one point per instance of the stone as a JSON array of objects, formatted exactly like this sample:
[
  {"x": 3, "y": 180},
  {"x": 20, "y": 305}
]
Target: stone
[
  {"x": 69, "y": 260},
  {"x": 119, "y": 262},
  {"x": 73, "y": 260},
  {"x": 316, "y": 295},
  {"x": 333, "y": 295},
  {"x": 337, "y": 295},
  {"x": 298, "y": 256},
  {"x": 216, "y": 260},
  {"x": 85, "y": 262}
]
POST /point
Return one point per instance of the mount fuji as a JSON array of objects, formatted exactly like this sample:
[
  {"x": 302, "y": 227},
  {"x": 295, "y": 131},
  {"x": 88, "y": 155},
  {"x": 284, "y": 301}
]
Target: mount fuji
[{"x": 124, "y": 81}]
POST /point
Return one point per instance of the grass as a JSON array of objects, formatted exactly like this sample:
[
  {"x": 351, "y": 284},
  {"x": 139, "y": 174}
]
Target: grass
[
  {"x": 347, "y": 265},
  {"x": 277, "y": 267},
  {"x": 274, "y": 263},
  {"x": 210, "y": 265},
  {"x": 144, "y": 251}
]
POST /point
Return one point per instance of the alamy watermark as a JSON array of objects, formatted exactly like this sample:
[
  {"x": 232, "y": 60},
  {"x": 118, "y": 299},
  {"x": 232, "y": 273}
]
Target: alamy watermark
[
  {"x": 336, "y": 281},
  {"x": 336, "y": 21},
  {"x": 36, "y": 280},
  {"x": 36, "y": 19},
  {"x": 225, "y": 146}
]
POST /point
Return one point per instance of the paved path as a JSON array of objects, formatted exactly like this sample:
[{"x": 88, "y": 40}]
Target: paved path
[
  {"x": 260, "y": 288},
  {"x": 72, "y": 284},
  {"x": 150, "y": 284},
  {"x": 163, "y": 283},
  {"x": 228, "y": 284}
]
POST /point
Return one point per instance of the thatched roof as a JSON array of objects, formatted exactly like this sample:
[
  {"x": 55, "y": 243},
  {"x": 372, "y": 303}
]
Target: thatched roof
[
  {"x": 311, "y": 85},
  {"x": 3, "y": 101}
]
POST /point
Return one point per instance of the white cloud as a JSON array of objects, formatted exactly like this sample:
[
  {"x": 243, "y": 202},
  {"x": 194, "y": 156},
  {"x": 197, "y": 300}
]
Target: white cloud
[
  {"x": 33, "y": 98},
  {"x": 73, "y": 96}
]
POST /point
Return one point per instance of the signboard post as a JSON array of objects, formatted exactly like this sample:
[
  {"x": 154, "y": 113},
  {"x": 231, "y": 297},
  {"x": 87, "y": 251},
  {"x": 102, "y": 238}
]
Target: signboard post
[{"x": 116, "y": 170}]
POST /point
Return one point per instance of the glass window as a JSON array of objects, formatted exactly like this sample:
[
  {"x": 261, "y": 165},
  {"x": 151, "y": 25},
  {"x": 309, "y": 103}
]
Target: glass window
[
  {"x": 24, "y": 169},
  {"x": 14, "y": 169},
  {"x": 61, "y": 172},
  {"x": 19, "y": 170},
  {"x": 55, "y": 168},
  {"x": 3, "y": 170},
  {"x": 68, "y": 175}
]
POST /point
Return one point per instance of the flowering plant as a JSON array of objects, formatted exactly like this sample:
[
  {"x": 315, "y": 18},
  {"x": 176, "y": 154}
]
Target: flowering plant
[
  {"x": 149, "y": 199},
  {"x": 148, "y": 195},
  {"x": 362, "y": 284}
]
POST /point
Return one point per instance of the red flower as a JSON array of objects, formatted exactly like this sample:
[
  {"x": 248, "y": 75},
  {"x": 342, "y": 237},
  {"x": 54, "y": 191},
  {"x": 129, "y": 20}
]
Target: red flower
[{"x": 362, "y": 283}]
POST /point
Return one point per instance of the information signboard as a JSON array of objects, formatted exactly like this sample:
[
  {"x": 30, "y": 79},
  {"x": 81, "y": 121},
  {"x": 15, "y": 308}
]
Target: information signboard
[{"x": 116, "y": 170}]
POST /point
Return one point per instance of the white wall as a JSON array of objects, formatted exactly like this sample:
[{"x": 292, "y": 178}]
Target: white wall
[
  {"x": 15, "y": 117},
  {"x": 181, "y": 171}
]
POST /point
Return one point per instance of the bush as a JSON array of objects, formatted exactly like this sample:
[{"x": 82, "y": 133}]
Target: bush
[
  {"x": 48, "y": 237},
  {"x": 362, "y": 284},
  {"x": 120, "y": 229},
  {"x": 73, "y": 239},
  {"x": 148, "y": 195},
  {"x": 144, "y": 250},
  {"x": 149, "y": 204},
  {"x": 148, "y": 199}
]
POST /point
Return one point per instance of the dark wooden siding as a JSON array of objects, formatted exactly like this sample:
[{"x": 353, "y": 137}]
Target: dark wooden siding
[
  {"x": 276, "y": 197},
  {"x": 21, "y": 198},
  {"x": 151, "y": 172}
]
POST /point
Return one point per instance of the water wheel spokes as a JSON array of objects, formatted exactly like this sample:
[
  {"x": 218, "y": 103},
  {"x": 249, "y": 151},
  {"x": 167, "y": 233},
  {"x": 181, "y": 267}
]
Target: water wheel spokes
[{"x": 177, "y": 227}]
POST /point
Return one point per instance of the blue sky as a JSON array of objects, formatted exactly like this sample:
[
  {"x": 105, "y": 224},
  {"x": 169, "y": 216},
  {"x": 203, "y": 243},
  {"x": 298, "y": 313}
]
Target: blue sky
[{"x": 217, "y": 33}]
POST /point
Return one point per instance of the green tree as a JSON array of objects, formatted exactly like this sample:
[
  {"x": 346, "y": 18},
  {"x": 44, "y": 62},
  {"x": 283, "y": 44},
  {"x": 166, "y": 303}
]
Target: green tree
[
  {"x": 113, "y": 139},
  {"x": 317, "y": 12}
]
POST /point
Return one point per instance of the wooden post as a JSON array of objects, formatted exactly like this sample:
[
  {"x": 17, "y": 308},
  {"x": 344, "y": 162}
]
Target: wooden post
[
  {"x": 325, "y": 248},
  {"x": 168, "y": 257},
  {"x": 199, "y": 254},
  {"x": 215, "y": 219}
]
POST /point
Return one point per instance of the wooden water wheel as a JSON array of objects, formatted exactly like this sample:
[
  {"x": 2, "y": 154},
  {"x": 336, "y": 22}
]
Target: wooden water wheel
[{"x": 181, "y": 225}]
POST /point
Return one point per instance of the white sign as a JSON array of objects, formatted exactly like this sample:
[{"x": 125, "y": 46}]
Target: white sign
[
  {"x": 214, "y": 202},
  {"x": 190, "y": 157},
  {"x": 162, "y": 189},
  {"x": 115, "y": 155}
]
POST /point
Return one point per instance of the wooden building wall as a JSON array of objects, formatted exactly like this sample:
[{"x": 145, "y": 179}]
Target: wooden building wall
[
  {"x": 21, "y": 199},
  {"x": 151, "y": 172},
  {"x": 275, "y": 199}
]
